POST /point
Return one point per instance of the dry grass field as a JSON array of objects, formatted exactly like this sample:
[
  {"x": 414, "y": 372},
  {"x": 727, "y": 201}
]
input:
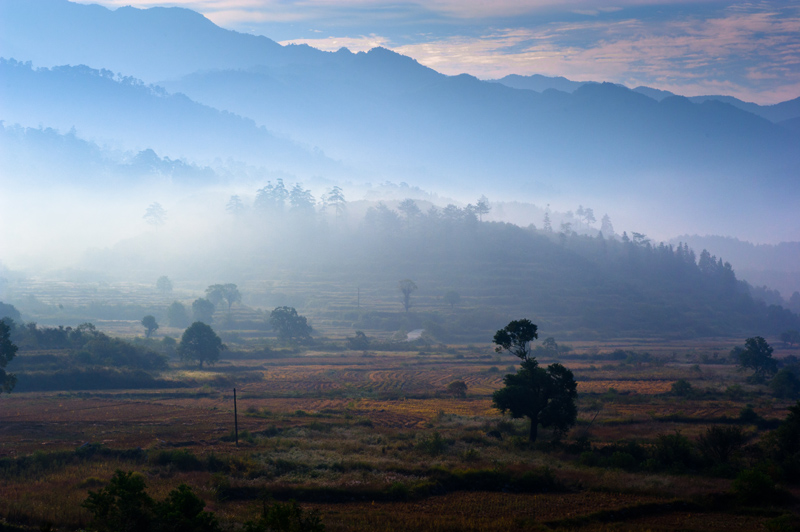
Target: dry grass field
[{"x": 373, "y": 442}]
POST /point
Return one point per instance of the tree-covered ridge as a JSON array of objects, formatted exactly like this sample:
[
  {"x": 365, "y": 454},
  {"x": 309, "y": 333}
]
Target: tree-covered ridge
[{"x": 587, "y": 285}]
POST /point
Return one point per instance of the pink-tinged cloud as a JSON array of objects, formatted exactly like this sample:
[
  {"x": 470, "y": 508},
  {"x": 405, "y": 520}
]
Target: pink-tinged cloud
[{"x": 749, "y": 50}]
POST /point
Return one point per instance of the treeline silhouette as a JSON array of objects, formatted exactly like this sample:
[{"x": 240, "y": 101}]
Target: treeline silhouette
[{"x": 585, "y": 285}]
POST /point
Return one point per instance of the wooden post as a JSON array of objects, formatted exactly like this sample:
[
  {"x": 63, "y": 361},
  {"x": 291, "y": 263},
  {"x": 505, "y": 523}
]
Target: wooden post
[{"x": 235, "y": 419}]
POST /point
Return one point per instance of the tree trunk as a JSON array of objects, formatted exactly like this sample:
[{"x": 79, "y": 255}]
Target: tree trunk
[{"x": 534, "y": 428}]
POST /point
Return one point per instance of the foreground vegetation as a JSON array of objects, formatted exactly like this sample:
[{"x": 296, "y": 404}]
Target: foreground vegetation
[{"x": 668, "y": 435}]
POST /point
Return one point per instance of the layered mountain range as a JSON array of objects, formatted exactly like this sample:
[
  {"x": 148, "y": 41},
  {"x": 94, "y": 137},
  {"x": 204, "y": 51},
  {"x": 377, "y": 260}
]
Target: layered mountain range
[{"x": 168, "y": 79}]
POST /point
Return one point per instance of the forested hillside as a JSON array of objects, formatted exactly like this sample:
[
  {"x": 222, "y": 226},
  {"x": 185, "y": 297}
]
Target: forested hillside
[{"x": 576, "y": 285}]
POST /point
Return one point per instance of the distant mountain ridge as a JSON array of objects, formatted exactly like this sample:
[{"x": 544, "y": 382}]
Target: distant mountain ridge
[
  {"x": 774, "y": 113},
  {"x": 383, "y": 116},
  {"x": 124, "y": 113}
]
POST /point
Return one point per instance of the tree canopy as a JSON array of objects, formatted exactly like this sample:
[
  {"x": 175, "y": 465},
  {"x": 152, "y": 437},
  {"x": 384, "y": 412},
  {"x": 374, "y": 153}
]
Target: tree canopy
[
  {"x": 406, "y": 287},
  {"x": 545, "y": 396},
  {"x": 124, "y": 505},
  {"x": 516, "y": 338},
  {"x": 756, "y": 356},
  {"x": 150, "y": 325},
  {"x": 289, "y": 325},
  {"x": 200, "y": 344},
  {"x": 217, "y": 293}
]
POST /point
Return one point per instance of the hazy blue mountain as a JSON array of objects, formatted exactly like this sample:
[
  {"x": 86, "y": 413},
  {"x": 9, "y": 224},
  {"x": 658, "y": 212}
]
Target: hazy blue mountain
[
  {"x": 46, "y": 156},
  {"x": 774, "y": 113},
  {"x": 125, "y": 114},
  {"x": 387, "y": 115},
  {"x": 148, "y": 44},
  {"x": 656, "y": 94},
  {"x": 539, "y": 83}
]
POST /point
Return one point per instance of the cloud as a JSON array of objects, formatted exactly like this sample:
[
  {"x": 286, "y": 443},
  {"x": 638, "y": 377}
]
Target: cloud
[
  {"x": 354, "y": 44},
  {"x": 746, "y": 54},
  {"x": 751, "y": 50}
]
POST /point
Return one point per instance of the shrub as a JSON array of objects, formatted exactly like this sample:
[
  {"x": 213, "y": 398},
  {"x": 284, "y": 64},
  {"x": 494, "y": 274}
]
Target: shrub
[
  {"x": 718, "y": 444},
  {"x": 285, "y": 517},
  {"x": 433, "y": 445},
  {"x": 682, "y": 388},
  {"x": 755, "y": 487},
  {"x": 673, "y": 451}
]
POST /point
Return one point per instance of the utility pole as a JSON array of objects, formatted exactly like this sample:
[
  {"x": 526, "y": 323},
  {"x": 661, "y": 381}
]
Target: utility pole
[{"x": 235, "y": 419}]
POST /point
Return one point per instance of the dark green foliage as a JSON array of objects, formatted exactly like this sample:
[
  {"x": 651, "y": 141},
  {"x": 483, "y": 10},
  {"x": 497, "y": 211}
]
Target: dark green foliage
[
  {"x": 200, "y": 344},
  {"x": 433, "y": 445},
  {"x": 7, "y": 352},
  {"x": 516, "y": 338},
  {"x": 285, "y": 517},
  {"x": 102, "y": 350},
  {"x": 785, "y": 384},
  {"x": 682, "y": 388},
  {"x": 124, "y": 506},
  {"x": 182, "y": 511},
  {"x": 180, "y": 459},
  {"x": 757, "y": 356},
  {"x": 545, "y": 396},
  {"x": 674, "y": 451},
  {"x": 359, "y": 342},
  {"x": 289, "y": 325},
  {"x": 150, "y": 325},
  {"x": 457, "y": 389},
  {"x": 756, "y": 487},
  {"x": 718, "y": 445},
  {"x": 784, "y": 444}
]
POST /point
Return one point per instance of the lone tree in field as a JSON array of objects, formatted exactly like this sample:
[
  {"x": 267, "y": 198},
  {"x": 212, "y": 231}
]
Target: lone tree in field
[
  {"x": 516, "y": 338},
  {"x": 200, "y": 344},
  {"x": 452, "y": 298},
  {"x": 289, "y": 325},
  {"x": 457, "y": 389},
  {"x": 545, "y": 396},
  {"x": 150, "y": 325},
  {"x": 216, "y": 293},
  {"x": 7, "y": 352},
  {"x": 757, "y": 356},
  {"x": 164, "y": 285},
  {"x": 407, "y": 287}
]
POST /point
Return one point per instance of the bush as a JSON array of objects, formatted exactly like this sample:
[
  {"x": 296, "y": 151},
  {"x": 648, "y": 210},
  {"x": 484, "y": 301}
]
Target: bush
[
  {"x": 755, "y": 487},
  {"x": 682, "y": 388},
  {"x": 180, "y": 459},
  {"x": 285, "y": 517},
  {"x": 123, "y": 505},
  {"x": 433, "y": 445},
  {"x": 674, "y": 451},
  {"x": 718, "y": 444}
]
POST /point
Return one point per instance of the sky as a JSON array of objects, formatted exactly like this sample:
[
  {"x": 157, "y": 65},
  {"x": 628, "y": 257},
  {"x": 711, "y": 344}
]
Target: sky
[{"x": 750, "y": 50}]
